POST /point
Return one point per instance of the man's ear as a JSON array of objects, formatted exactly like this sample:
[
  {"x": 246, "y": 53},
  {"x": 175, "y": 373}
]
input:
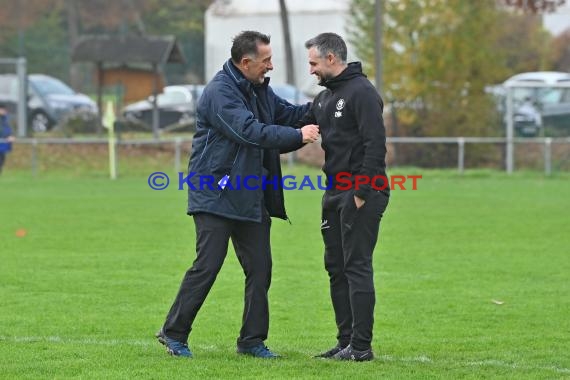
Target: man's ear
[
  {"x": 245, "y": 62},
  {"x": 331, "y": 58}
]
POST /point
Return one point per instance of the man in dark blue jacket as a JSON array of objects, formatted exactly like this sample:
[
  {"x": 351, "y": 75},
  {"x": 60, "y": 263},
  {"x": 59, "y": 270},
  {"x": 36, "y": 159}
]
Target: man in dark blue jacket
[
  {"x": 242, "y": 127},
  {"x": 6, "y": 137}
]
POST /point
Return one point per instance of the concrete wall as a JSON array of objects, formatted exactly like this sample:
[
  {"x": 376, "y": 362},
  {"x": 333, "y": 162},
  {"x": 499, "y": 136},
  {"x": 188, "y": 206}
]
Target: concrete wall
[{"x": 225, "y": 19}]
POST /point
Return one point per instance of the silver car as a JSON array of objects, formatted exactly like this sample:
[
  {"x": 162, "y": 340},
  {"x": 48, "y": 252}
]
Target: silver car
[
  {"x": 50, "y": 101},
  {"x": 538, "y": 108}
]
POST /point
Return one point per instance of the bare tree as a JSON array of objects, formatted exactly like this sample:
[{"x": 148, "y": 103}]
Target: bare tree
[{"x": 73, "y": 34}]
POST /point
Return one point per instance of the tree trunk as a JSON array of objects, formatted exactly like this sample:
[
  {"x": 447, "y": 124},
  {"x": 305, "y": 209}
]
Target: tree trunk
[
  {"x": 73, "y": 33},
  {"x": 290, "y": 69}
]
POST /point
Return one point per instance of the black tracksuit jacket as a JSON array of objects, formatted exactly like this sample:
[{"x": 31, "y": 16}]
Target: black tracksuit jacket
[{"x": 349, "y": 115}]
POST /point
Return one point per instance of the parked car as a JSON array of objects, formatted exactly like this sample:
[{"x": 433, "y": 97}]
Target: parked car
[
  {"x": 286, "y": 91},
  {"x": 536, "y": 108},
  {"x": 176, "y": 107},
  {"x": 50, "y": 101},
  {"x": 290, "y": 93}
]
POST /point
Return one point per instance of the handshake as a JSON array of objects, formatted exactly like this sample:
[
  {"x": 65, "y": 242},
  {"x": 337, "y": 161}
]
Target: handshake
[{"x": 310, "y": 133}]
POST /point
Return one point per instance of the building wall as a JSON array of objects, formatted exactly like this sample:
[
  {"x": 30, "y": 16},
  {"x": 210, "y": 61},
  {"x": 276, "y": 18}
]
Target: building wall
[
  {"x": 136, "y": 84},
  {"x": 306, "y": 20}
]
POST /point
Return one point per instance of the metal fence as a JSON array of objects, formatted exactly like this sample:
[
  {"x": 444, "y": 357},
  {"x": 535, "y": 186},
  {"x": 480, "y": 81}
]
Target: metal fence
[{"x": 178, "y": 148}]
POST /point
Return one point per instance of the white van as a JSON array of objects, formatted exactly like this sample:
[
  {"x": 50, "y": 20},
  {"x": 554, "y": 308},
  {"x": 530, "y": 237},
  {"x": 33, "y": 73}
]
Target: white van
[{"x": 537, "y": 107}]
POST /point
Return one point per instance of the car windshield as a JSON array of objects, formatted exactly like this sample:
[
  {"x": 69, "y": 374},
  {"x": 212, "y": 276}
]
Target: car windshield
[
  {"x": 284, "y": 92},
  {"x": 290, "y": 93},
  {"x": 550, "y": 95},
  {"x": 172, "y": 97},
  {"x": 52, "y": 87}
]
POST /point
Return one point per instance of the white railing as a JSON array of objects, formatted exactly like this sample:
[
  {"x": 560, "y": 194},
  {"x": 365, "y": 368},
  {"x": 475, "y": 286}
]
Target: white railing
[
  {"x": 547, "y": 143},
  {"x": 509, "y": 161}
]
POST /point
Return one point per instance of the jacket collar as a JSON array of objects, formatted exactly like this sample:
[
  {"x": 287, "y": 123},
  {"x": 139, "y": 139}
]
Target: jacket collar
[{"x": 353, "y": 69}]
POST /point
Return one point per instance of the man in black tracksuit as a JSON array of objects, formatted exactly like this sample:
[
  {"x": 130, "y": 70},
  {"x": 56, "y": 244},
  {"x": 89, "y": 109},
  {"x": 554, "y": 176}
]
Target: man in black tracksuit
[
  {"x": 349, "y": 115},
  {"x": 242, "y": 127}
]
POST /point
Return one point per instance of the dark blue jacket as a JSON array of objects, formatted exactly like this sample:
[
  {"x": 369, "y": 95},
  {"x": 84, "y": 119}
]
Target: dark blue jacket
[
  {"x": 241, "y": 130},
  {"x": 5, "y": 131}
]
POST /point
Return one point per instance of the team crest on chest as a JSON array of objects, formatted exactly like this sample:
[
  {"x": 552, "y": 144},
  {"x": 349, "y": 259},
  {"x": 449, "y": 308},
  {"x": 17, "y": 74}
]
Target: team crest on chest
[{"x": 339, "y": 107}]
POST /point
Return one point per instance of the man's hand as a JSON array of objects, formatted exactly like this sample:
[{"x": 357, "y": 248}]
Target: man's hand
[
  {"x": 11, "y": 138},
  {"x": 359, "y": 202},
  {"x": 310, "y": 133}
]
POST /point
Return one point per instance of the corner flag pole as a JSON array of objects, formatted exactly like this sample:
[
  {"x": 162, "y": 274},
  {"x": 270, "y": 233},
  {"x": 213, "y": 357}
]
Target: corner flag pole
[{"x": 109, "y": 123}]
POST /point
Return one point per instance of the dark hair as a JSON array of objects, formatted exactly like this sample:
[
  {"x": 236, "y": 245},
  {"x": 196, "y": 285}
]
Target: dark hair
[
  {"x": 328, "y": 43},
  {"x": 246, "y": 42},
  {"x": 2, "y": 105}
]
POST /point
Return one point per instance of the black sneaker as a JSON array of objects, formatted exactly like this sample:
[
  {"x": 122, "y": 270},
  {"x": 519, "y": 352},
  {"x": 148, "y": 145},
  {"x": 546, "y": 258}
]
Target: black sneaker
[
  {"x": 349, "y": 353},
  {"x": 332, "y": 352}
]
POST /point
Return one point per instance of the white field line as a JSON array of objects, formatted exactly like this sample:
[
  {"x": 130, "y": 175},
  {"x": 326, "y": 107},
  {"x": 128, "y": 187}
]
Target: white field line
[
  {"x": 386, "y": 358},
  {"x": 479, "y": 363}
]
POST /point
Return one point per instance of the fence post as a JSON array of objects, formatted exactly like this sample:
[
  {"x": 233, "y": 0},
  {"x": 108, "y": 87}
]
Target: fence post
[
  {"x": 548, "y": 155},
  {"x": 461, "y": 154},
  {"x": 291, "y": 158},
  {"x": 509, "y": 164},
  {"x": 34, "y": 157},
  {"x": 177, "y": 154}
]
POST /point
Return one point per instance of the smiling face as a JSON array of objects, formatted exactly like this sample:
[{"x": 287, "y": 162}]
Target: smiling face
[
  {"x": 322, "y": 67},
  {"x": 254, "y": 68}
]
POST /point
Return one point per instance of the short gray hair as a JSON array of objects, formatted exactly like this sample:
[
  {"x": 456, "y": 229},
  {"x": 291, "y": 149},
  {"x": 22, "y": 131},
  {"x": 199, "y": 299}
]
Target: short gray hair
[{"x": 328, "y": 43}]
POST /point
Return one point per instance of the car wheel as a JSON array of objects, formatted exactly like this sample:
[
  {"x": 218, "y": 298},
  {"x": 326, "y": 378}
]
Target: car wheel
[{"x": 40, "y": 122}]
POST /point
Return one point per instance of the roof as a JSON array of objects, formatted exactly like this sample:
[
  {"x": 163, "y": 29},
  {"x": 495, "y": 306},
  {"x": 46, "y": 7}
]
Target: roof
[
  {"x": 549, "y": 77},
  {"x": 128, "y": 49}
]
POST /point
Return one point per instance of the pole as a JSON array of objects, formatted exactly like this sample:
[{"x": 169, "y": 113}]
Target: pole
[
  {"x": 548, "y": 156},
  {"x": 155, "y": 117},
  {"x": 510, "y": 132},
  {"x": 109, "y": 123},
  {"x": 461, "y": 155},
  {"x": 378, "y": 44},
  {"x": 21, "y": 69}
]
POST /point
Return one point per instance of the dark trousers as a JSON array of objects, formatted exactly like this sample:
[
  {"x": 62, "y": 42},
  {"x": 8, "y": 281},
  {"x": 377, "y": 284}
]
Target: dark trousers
[
  {"x": 252, "y": 246},
  {"x": 349, "y": 236},
  {"x": 2, "y": 160}
]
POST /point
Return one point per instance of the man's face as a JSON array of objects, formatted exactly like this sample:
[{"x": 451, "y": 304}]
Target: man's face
[
  {"x": 321, "y": 67},
  {"x": 255, "y": 68}
]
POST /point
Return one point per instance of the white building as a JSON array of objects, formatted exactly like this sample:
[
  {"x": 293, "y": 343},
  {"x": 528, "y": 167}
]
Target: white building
[{"x": 307, "y": 18}]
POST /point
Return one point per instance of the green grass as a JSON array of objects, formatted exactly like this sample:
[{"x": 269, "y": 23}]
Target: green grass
[{"x": 84, "y": 291}]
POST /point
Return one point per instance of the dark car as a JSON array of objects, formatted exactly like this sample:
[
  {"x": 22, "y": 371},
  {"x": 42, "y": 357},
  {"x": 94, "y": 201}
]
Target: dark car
[
  {"x": 176, "y": 107},
  {"x": 50, "y": 101}
]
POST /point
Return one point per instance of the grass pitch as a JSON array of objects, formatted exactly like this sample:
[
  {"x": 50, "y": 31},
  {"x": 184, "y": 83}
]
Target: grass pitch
[{"x": 472, "y": 277}]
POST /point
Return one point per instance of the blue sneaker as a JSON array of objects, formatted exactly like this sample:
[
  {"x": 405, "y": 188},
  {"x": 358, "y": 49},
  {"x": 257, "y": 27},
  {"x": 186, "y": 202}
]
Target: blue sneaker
[
  {"x": 259, "y": 351},
  {"x": 173, "y": 347}
]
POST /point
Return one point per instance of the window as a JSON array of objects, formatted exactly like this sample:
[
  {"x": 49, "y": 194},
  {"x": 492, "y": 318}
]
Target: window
[{"x": 51, "y": 86}]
